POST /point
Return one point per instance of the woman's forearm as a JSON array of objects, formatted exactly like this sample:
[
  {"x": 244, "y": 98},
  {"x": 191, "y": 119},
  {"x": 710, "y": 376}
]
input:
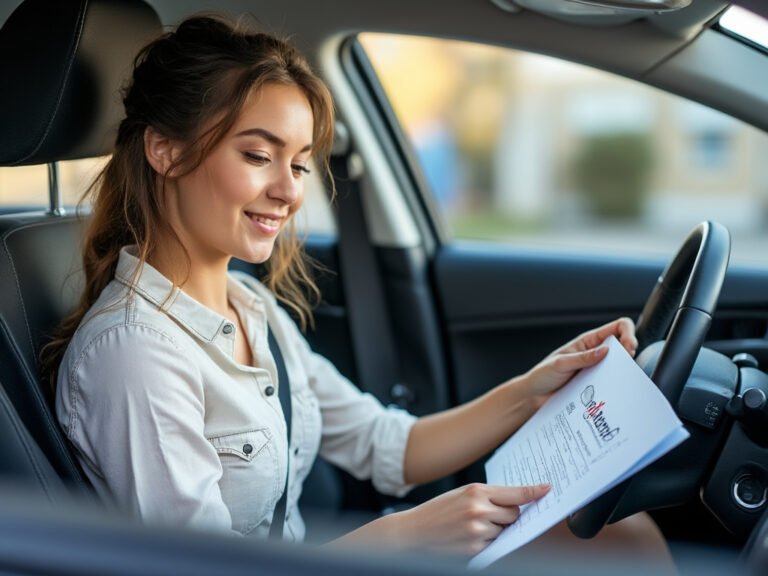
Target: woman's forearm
[{"x": 443, "y": 443}]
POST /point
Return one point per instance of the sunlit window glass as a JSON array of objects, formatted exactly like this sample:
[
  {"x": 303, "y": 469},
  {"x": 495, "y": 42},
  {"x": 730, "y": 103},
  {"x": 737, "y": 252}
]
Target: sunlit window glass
[
  {"x": 540, "y": 152},
  {"x": 746, "y": 24},
  {"x": 23, "y": 188}
]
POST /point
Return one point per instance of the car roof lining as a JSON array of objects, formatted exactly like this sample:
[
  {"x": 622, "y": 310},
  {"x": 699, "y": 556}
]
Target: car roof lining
[
  {"x": 639, "y": 50},
  {"x": 643, "y": 42}
]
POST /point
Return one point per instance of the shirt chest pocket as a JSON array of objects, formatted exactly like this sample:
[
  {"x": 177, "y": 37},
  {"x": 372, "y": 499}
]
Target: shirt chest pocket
[{"x": 249, "y": 483}]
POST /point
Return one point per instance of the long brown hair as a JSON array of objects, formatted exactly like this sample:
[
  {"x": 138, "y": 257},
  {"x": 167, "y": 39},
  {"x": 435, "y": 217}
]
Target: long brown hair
[{"x": 204, "y": 70}]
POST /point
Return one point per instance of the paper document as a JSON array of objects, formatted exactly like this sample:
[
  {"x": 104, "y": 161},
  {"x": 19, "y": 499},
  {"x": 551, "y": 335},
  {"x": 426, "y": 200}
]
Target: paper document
[{"x": 607, "y": 423}]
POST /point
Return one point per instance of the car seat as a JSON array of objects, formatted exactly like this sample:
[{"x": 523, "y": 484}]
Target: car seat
[{"x": 63, "y": 65}]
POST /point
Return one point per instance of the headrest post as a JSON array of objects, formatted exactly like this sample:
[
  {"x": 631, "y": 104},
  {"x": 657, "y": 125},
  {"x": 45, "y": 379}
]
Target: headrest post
[{"x": 55, "y": 204}]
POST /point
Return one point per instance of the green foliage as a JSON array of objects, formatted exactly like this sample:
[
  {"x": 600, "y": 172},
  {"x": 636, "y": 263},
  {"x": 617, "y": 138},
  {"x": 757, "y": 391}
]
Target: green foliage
[
  {"x": 613, "y": 172},
  {"x": 489, "y": 225}
]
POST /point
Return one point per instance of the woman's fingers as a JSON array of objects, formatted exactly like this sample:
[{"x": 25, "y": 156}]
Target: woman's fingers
[
  {"x": 506, "y": 502},
  {"x": 504, "y": 515},
  {"x": 509, "y": 496},
  {"x": 556, "y": 370},
  {"x": 570, "y": 363},
  {"x": 499, "y": 505},
  {"x": 625, "y": 333},
  {"x": 489, "y": 509},
  {"x": 622, "y": 328}
]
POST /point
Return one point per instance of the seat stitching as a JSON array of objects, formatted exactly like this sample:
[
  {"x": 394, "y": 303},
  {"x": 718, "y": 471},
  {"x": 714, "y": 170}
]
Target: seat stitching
[
  {"x": 24, "y": 437},
  {"x": 15, "y": 274},
  {"x": 21, "y": 298},
  {"x": 58, "y": 441},
  {"x": 77, "y": 37},
  {"x": 51, "y": 426}
]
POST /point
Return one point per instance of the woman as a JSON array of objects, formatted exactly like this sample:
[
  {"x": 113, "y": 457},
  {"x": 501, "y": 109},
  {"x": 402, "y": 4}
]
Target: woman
[{"x": 166, "y": 385}]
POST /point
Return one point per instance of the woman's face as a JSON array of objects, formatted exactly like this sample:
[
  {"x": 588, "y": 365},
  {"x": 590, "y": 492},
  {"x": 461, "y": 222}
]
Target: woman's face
[{"x": 237, "y": 201}]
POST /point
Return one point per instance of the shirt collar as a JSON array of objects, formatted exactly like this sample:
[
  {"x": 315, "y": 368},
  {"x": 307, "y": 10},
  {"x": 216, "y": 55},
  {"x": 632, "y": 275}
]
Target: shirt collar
[
  {"x": 157, "y": 289},
  {"x": 240, "y": 293}
]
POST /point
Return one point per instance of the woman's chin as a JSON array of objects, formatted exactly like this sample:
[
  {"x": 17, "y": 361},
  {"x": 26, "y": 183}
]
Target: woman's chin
[{"x": 257, "y": 255}]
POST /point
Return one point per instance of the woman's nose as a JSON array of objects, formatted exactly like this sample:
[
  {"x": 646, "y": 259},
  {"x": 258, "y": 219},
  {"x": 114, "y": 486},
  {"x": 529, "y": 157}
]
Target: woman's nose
[{"x": 287, "y": 186}]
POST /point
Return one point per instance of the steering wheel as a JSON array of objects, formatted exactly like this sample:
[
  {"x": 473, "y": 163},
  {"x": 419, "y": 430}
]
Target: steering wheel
[{"x": 684, "y": 297}]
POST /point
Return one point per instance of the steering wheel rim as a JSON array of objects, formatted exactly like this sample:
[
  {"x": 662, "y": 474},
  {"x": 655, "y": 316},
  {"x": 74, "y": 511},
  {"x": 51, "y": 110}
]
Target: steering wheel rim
[{"x": 683, "y": 301}]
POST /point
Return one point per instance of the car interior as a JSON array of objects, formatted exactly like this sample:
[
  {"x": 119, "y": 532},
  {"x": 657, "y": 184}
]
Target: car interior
[{"x": 410, "y": 312}]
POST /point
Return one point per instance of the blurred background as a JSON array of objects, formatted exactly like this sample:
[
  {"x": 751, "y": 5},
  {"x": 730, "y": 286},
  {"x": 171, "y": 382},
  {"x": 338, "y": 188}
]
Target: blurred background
[{"x": 523, "y": 148}]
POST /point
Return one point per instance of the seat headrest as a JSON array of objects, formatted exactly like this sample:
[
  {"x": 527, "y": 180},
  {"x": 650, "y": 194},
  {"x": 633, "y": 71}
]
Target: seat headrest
[{"x": 63, "y": 69}]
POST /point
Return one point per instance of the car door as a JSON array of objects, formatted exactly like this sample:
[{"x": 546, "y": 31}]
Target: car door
[{"x": 550, "y": 196}]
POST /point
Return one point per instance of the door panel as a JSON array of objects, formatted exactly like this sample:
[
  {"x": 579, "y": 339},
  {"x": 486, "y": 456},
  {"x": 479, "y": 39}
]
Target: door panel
[{"x": 503, "y": 310}]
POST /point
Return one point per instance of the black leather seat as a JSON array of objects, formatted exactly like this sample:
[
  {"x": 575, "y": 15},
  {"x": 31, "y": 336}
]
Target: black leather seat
[
  {"x": 22, "y": 460},
  {"x": 37, "y": 256},
  {"x": 60, "y": 101}
]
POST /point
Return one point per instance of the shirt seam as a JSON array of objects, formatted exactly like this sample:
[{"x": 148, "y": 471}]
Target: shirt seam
[
  {"x": 169, "y": 302},
  {"x": 72, "y": 376}
]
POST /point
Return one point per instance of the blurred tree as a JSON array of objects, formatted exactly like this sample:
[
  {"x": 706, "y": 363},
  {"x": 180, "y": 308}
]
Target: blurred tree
[{"x": 613, "y": 171}]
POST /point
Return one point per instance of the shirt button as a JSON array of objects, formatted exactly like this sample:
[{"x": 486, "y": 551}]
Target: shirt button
[
  {"x": 295, "y": 451},
  {"x": 228, "y": 329},
  {"x": 269, "y": 390},
  {"x": 247, "y": 448}
]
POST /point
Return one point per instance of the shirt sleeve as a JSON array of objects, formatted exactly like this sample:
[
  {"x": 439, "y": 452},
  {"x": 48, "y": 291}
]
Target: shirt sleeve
[
  {"x": 136, "y": 413},
  {"x": 359, "y": 434}
]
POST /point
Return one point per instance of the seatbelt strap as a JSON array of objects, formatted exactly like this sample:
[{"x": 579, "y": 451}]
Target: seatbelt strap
[
  {"x": 375, "y": 357},
  {"x": 284, "y": 394}
]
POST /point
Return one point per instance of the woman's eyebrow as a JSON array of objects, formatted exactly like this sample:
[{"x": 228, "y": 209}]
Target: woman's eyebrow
[{"x": 269, "y": 137}]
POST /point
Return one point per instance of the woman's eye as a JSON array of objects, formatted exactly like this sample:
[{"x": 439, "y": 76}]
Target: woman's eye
[
  {"x": 299, "y": 169},
  {"x": 255, "y": 158}
]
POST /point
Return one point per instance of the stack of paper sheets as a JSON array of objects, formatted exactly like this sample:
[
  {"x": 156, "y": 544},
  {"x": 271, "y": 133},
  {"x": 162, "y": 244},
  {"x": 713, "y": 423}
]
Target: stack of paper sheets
[{"x": 607, "y": 423}]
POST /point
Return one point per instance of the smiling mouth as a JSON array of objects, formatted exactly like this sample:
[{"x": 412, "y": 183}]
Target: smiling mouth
[{"x": 268, "y": 224}]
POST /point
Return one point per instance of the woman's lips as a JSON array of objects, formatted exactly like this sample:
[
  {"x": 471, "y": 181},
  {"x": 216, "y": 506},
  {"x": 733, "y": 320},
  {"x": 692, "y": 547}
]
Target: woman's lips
[{"x": 269, "y": 224}]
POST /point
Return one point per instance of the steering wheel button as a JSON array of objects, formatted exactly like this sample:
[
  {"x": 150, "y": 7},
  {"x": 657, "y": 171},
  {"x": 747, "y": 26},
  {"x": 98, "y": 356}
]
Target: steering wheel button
[
  {"x": 750, "y": 492},
  {"x": 703, "y": 403},
  {"x": 754, "y": 399}
]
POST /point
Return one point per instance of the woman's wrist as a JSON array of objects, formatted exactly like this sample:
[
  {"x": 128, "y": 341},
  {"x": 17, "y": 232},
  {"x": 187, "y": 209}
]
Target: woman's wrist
[
  {"x": 518, "y": 393},
  {"x": 390, "y": 531},
  {"x": 518, "y": 398}
]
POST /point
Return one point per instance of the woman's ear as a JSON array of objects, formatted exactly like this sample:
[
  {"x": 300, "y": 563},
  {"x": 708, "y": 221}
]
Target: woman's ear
[{"x": 161, "y": 151}]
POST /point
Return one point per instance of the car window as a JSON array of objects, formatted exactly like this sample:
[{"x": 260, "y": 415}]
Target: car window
[
  {"x": 75, "y": 176},
  {"x": 523, "y": 148},
  {"x": 26, "y": 188},
  {"x": 746, "y": 25},
  {"x": 23, "y": 187}
]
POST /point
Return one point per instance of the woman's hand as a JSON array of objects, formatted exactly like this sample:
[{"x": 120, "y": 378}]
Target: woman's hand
[
  {"x": 581, "y": 352},
  {"x": 464, "y": 520},
  {"x": 622, "y": 328}
]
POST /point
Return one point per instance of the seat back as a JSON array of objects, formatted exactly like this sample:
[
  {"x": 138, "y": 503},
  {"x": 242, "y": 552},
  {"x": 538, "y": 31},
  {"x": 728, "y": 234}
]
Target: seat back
[
  {"x": 22, "y": 462},
  {"x": 37, "y": 288},
  {"x": 60, "y": 100}
]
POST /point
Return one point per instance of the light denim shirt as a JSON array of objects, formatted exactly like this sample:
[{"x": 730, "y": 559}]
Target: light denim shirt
[{"x": 169, "y": 427}]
